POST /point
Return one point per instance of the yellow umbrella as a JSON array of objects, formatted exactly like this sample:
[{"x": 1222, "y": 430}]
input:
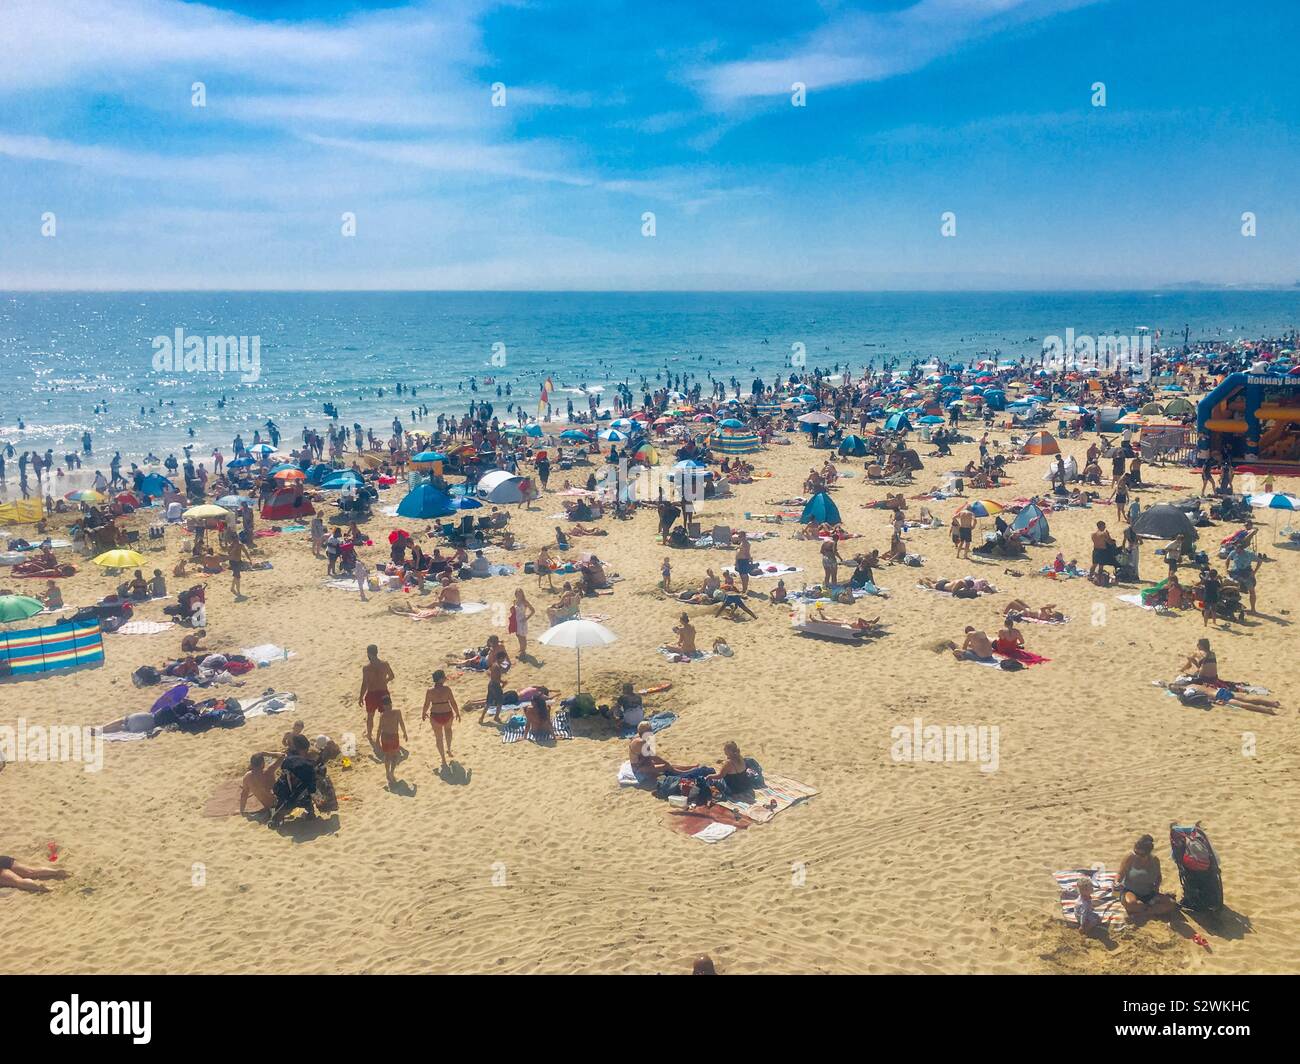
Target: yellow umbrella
[
  {"x": 207, "y": 509},
  {"x": 120, "y": 559}
]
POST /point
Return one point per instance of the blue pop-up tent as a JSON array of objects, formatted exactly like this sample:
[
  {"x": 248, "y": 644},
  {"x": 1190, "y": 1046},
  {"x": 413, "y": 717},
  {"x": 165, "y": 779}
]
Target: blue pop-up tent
[
  {"x": 821, "y": 507},
  {"x": 852, "y": 446},
  {"x": 1032, "y": 525},
  {"x": 425, "y": 502},
  {"x": 155, "y": 483},
  {"x": 898, "y": 423}
]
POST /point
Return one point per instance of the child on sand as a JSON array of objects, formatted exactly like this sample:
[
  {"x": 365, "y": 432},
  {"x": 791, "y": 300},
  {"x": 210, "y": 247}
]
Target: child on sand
[
  {"x": 390, "y": 721},
  {"x": 666, "y": 572},
  {"x": 1083, "y": 910}
]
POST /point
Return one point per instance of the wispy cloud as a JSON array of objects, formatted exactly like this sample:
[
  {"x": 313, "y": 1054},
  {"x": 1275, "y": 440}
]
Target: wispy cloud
[{"x": 856, "y": 47}]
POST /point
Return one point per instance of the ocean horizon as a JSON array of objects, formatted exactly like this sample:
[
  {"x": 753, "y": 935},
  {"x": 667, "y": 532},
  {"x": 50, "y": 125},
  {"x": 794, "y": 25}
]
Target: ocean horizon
[{"x": 85, "y": 361}]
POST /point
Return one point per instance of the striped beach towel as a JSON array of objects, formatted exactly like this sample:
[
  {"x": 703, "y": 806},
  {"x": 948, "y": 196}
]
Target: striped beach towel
[
  {"x": 1105, "y": 895},
  {"x": 516, "y": 729},
  {"x": 776, "y": 795}
]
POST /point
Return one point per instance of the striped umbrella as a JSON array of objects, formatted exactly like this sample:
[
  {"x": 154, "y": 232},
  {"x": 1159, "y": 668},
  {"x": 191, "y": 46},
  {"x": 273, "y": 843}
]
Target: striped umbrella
[{"x": 984, "y": 507}]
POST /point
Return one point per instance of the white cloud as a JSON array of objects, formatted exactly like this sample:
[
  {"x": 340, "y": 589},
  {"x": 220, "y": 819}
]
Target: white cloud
[{"x": 870, "y": 46}]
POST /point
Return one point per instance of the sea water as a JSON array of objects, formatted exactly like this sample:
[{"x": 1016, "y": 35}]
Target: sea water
[{"x": 64, "y": 354}]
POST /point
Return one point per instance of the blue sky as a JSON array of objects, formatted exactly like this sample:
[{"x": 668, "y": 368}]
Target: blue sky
[{"x": 913, "y": 108}]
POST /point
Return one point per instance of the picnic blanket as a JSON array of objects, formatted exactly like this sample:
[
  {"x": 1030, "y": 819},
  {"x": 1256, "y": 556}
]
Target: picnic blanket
[
  {"x": 425, "y": 613},
  {"x": 777, "y": 794},
  {"x": 516, "y": 729},
  {"x": 1105, "y": 895}
]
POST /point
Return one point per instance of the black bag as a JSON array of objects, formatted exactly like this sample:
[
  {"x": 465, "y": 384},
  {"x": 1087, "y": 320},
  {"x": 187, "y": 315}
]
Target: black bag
[{"x": 145, "y": 676}]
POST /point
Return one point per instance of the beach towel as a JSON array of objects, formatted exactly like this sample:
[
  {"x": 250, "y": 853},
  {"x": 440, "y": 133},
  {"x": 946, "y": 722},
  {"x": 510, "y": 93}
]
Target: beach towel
[
  {"x": 708, "y": 823},
  {"x": 1022, "y": 619},
  {"x": 225, "y": 800},
  {"x": 1025, "y": 657},
  {"x": 714, "y": 831},
  {"x": 270, "y": 703},
  {"x": 626, "y": 777},
  {"x": 516, "y": 729},
  {"x": 762, "y": 569},
  {"x": 777, "y": 794},
  {"x": 658, "y": 723},
  {"x": 144, "y": 627},
  {"x": 1105, "y": 895},
  {"x": 126, "y": 737},
  {"x": 681, "y": 659},
  {"x": 267, "y": 653}
]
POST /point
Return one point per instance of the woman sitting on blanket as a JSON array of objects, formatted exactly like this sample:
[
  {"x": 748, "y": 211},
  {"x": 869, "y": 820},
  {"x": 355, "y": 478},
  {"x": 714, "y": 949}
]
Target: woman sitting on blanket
[
  {"x": 685, "y": 632},
  {"x": 1202, "y": 664},
  {"x": 1018, "y": 609},
  {"x": 1010, "y": 639},
  {"x": 647, "y": 766},
  {"x": 593, "y": 576},
  {"x": 538, "y": 715},
  {"x": 733, "y": 773},
  {"x": 565, "y": 608}
]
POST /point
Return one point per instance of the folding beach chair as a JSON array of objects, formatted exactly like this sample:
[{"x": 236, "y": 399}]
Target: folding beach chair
[{"x": 722, "y": 535}]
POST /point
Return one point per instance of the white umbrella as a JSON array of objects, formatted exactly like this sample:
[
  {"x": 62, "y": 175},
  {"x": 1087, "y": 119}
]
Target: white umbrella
[
  {"x": 815, "y": 418},
  {"x": 575, "y": 635}
]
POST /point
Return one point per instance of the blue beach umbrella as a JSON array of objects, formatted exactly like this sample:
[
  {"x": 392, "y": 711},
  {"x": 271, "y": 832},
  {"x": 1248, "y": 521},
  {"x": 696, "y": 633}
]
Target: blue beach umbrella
[
  {"x": 574, "y": 434},
  {"x": 239, "y": 463},
  {"x": 732, "y": 423},
  {"x": 533, "y": 429}
]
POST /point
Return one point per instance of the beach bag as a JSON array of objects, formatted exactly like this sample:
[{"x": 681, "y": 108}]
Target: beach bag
[
  {"x": 582, "y": 705},
  {"x": 145, "y": 676}
]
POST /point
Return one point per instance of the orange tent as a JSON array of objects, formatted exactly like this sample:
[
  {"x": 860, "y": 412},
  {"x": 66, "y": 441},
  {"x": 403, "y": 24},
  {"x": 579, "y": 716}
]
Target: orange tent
[{"x": 1042, "y": 443}]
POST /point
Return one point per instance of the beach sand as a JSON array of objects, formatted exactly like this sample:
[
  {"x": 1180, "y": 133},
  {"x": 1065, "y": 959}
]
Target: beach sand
[{"x": 531, "y": 859}]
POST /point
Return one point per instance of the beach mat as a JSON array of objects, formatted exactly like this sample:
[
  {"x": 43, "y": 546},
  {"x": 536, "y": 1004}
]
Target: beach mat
[
  {"x": 1105, "y": 895},
  {"x": 225, "y": 800},
  {"x": 777, "y": 794},
  {"x": 516, "y": 730}
]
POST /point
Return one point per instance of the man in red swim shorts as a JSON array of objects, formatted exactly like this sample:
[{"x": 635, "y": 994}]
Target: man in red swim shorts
[{"x": 375, "y": 677}]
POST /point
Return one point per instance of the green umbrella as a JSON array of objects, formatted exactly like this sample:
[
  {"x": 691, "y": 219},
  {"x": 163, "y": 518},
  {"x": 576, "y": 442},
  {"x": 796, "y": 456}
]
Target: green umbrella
[{"x": 19, "y": 607}]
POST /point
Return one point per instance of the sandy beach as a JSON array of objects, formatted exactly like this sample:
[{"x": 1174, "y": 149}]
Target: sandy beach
[{"x": 528, "y": 858}]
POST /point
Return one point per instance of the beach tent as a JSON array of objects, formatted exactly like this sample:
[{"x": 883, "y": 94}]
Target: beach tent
[
  {"x": 1042, "y": 443},
  {"x": 155, "y": 483},
  {"x": 1179, "y": 407},
  {"x": 287, "y": 504},
  {"x": 735, "y": 443},
  {"x": 1031, "y": 522},
  {"x": 898, "y": 423},
  {"x": 910, "y": 460},
  {"x": 341, "y": 479},
  {"x": 852, "y": 447},
  {"x": 425, "y": 502},
  {"x": 821, "y": 507},
  {"x": 500, "y": 486},
  {"x": 1164, "y": 521}
]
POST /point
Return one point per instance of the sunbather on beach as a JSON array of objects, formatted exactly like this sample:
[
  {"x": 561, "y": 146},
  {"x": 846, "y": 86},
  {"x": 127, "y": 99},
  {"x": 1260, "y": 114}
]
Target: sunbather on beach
[
  {"x": 538, "y": 715},
  {"x": 1205, "y": 695},
  {"x": 27, "y": 877},
  {"x": 1019, "y": 609},
  {"x": 1201, "y": 664},
  {"x": 1010, "y": 638},
  {"x": 646, "y": 764},
  {"x": 448, "y": 592},
  {"x": 259, "y": 780},
  {"x": 685, "y": 632},
  {"x": 779, "y": 594},
  {"x": 975, "y": 647},
  {"x": 1139, "y": 879}
]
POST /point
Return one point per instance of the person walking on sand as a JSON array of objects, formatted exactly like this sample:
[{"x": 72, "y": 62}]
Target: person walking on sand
[
  {"x": 965, "y": 523},
  {"x": 440, "y": 708},
  {"x": 744, "y": 560},
  {"x": 390, "y": 746},
  {"x": 236, "y": 553},
  {"x": 830, "y": 561},
  {"x": 495, "y": 698},
  {"x": 361, "y": 573},
  {"x": 520, "y": 611},
  {"x": 375, "y": 676}
]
